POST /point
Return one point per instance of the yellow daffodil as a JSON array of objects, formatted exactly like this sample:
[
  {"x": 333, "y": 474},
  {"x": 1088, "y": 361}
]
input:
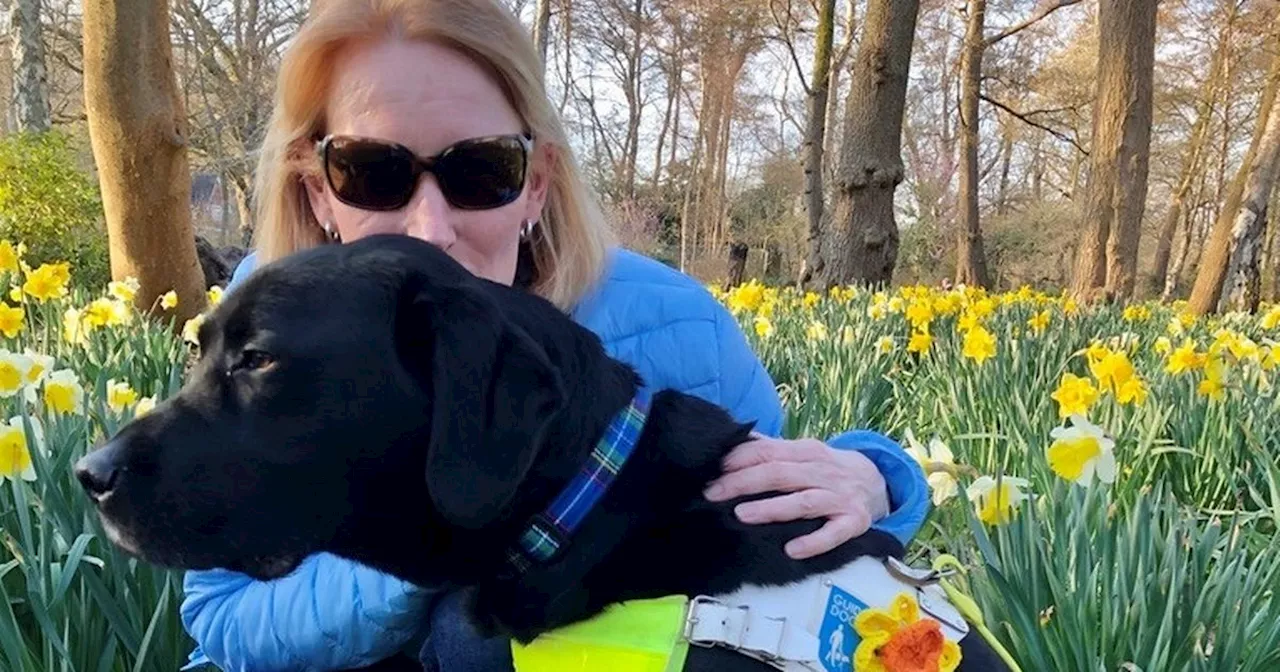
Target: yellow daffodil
[
  {"x": 11, "y": 319},
  {"x": 119, "y": 395},
  {"x": 898, "y": 639},
  {"x": 746, "y": 297},
  {"x": 968, "y": 321},
  {"x": 16, "y": 295},
  {"x": 884, "y": 345},
  {"x": 8, "y": 257},
  {"x": 13, "y": 372},
  {"x": 97, "y": 313},
  {"x": 995, "y": 503},
  {"x": 169, "y": 301},
  {"x": 63, "y": 392},
  {"x": 38, "y": 367},
  {"x": 191, "y": 329},
  {"x": 937, "y": 460},
  {"x": 877, "y": 311},
  {"x": 48, "y": 282},
  {"x": 764, "y": 328},
  {"x": 816, "y": 332},
  {"x": 1137, "y": 313},
  {"x": 1184, "y": 359},
  {"x": 1080, "y": 451},
  {"x": 979, "y": 345},
  {"x": 1113, "y": 371},
  {"x": 74, "y": 329},
  {"x": 214, "y": 295},
  {"x": 847, "y": 335},
  {"x": 1213, "y": 385},
  {"x": 920, "y": 342},
  {"x": 896, "y": 305},
  {"x": 123, "y": 290},
  {"x": 144, "y": 406},
  {"x": 984, "y": 307},
  {"x": 811, "y": 299},
  {"x": 1163, "y": 345},
  {"x": 1271, "y": 320},
  {"x": 1271, "y": 360},
  {"x": 1039, "y": 322},
  {"x": 15, "y": 449},
  {"x": 920, "y": 313},
  {"x": 1075, "y": 395},
  {"x": 1132, "y": 391}
]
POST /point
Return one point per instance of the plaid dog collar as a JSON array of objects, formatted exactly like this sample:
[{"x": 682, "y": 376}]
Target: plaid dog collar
[{"x": 550, "y": 530}]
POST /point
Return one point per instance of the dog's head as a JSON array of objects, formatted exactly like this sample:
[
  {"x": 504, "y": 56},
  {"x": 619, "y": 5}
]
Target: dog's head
[{"x": 334, "y": 388}]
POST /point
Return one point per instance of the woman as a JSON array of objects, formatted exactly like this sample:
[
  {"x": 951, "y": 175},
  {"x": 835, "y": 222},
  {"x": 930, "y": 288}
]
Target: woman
[{"x": 367, "y": 86}]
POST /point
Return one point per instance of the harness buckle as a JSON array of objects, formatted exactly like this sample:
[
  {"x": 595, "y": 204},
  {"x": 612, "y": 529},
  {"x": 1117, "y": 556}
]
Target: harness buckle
[
  {"x": 693, "y": 617},
  {"x": 913, "y": 576}
]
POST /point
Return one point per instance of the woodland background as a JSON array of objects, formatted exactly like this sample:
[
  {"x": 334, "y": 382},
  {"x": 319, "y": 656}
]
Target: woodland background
[{"x": 1123, "y": 149}]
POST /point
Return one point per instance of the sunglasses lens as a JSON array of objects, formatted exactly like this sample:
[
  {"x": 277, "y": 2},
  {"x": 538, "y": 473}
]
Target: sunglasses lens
[
  {"x": 369, "y": 174},
  {"x": 483, "y": 173}
]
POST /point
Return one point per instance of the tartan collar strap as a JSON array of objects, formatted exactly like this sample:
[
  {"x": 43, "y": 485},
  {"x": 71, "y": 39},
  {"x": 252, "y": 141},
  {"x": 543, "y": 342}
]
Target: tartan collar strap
[{"x": 549, "y": 531}]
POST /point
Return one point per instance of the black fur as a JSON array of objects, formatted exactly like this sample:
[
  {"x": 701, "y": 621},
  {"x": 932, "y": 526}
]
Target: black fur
[{"x": 377, "y": 401}]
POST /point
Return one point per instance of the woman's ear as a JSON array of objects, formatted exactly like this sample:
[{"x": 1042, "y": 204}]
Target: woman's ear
[
  {"x": 542, "y": 170},
  {"x": 318, "y": 197}
]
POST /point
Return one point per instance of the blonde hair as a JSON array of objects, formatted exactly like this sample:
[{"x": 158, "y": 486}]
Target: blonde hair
[{"x": 570, "y": 249}]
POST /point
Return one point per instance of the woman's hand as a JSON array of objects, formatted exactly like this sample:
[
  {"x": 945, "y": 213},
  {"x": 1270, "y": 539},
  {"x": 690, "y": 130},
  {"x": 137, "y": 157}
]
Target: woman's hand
[{"x": 841, "y": 485}]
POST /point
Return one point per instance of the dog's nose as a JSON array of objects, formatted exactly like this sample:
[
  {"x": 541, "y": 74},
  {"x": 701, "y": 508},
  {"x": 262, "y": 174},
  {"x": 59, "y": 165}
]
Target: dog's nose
[{"x": 99, "y": 471}]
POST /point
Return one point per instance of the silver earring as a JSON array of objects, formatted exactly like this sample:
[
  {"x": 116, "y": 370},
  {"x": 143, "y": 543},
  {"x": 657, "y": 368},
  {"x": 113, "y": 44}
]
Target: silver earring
[
  {"x": 526, "y": 228},
  {"x": 330, "y": 231}
]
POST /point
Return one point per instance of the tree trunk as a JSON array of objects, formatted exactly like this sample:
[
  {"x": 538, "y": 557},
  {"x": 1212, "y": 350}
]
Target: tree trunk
[
  {"x": 30, "y": 77},
  {"x": 240, "y": 189},
  {"x": 861, "y": 243},
  {"x": 672, "y": 70},
  {"x": 971, "y": 262},
  {"x": 1117, "y": 183},
  {"x": 1212, "y": 272},
  {"x": 737, "y": 265},
  {"x": 634, "y": 94},
  {"x": 1271, "y": 276},
  {"x": 137, "y": 128},
  {"x": 542, "y": 28},
  {"x": 1243, "y": 289},
  {"x": 1006, "y": 158},
  {"x": 1194, "y": 157},
  {"x": 815, "y": 134}
]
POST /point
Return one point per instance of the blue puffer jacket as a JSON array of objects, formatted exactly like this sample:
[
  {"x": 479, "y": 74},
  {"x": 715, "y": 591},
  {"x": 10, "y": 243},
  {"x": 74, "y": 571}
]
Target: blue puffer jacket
[{"x": 332, "y": 613}]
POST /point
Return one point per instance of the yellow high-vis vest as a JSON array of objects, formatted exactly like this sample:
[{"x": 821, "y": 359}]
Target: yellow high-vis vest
[{"x": 634, "y": 636}]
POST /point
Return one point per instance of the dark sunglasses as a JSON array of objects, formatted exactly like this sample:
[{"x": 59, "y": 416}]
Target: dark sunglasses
[{"x": 474, "y": 174}]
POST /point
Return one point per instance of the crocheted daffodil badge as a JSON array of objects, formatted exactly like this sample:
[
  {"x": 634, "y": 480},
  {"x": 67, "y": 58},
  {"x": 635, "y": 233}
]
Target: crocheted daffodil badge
[{"x": 897, "y": 639}]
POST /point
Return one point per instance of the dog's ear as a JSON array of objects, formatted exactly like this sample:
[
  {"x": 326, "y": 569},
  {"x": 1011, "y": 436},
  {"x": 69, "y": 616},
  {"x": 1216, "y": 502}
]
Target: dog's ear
[{"x": 494, "y": 394}]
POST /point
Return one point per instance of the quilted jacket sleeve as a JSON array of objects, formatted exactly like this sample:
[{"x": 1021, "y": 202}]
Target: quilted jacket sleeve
[
  {"x": 749, "y": 393},
  {"x": 330, "y": 614}
]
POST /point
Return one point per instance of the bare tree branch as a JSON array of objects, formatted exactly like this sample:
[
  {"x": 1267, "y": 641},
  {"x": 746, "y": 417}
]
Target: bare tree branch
[
  {"x": 784, "y": 27},
  {"x": 1044, "y": 11},
  {"x": 1030, "y": 122}
]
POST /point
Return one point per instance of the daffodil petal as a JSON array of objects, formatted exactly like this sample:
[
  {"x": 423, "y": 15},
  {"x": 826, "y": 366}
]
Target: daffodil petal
[{"x": 1106, "y": 466}]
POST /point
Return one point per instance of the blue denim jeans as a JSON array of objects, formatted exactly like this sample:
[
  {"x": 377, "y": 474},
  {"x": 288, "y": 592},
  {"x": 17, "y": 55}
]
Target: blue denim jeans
[{"x": 453, "y": 645}]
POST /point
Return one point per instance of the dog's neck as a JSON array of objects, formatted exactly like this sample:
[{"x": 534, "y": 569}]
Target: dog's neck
[{"x": 653, "y": 533}]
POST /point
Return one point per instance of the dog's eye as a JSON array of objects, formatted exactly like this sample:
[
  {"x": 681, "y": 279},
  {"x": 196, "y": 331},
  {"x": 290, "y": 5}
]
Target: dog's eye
[{"x": 256, "y": 360}]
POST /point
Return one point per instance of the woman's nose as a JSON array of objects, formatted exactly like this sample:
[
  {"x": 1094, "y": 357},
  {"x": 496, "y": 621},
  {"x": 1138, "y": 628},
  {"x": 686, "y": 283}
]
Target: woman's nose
[{"x": 429, "y": 216}]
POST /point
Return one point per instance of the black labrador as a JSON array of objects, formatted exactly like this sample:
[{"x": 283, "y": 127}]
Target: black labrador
[{"x": 377, "y": 401}]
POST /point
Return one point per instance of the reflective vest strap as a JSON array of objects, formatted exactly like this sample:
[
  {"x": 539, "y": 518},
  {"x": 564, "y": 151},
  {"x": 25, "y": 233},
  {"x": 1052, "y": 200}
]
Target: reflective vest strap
[{"x": 635, "y": 636}]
